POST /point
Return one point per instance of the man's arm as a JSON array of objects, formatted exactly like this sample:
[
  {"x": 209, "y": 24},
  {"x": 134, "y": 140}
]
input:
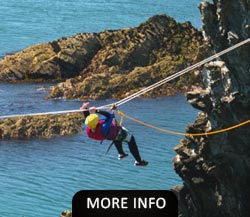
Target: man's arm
[
  {"x": 108, "y": 120},
  {"x": 84, "y": 108},
  {"x": 108, "y": 115}
]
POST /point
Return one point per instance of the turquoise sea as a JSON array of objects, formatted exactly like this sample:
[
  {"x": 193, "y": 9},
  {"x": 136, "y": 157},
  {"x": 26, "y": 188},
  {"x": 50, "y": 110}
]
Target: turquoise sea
[{"x": 39, "y": 177}]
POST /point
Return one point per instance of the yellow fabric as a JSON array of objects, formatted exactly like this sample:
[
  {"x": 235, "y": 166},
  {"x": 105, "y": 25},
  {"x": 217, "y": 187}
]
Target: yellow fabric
[{"x": 92, "y": 120}]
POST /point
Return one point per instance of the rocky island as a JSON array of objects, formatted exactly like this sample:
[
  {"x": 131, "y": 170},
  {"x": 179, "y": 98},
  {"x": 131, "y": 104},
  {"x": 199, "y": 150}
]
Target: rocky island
[{"x": 111, "y": 63}]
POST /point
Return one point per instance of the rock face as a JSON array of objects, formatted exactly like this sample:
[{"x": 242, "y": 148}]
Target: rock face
[
  {"x": 66, "y": 213},
  {"x": 47, "y": 126},
  {"x": 216, "y": 169},
  {"x": 111, "y": 63},
  {"x": 56, "y": 60}
]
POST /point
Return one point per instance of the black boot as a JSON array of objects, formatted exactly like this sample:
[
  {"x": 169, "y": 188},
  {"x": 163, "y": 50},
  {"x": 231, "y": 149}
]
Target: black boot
[{"x": 142, "y": 163}]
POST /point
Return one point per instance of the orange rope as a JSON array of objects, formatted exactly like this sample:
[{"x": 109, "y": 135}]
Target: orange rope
[{"x": 179, "y": 133}]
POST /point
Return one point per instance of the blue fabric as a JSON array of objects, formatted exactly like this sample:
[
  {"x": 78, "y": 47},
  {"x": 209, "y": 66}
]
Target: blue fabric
[{"x": 107, "y": 124}]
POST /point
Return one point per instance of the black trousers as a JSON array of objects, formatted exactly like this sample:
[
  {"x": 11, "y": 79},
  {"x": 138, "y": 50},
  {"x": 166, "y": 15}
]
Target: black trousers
[{"x": 132, "y": 148}]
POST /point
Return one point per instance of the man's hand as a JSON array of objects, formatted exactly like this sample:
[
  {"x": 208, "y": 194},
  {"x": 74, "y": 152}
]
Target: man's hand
[
  {"x": 84, "y": 106},
  {"x": 113, "y": 107},
  {"x": 92, "y": 109}
]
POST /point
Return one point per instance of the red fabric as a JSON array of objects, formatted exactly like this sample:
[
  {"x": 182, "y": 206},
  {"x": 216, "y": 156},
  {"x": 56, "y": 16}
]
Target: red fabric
[{"x": 97, "y": 135}]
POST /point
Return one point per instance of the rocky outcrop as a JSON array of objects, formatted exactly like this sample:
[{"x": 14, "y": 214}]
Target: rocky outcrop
[
  {"x": 46, "y": 126},
  {"x": 111, "y": 63},
  {"x": 131, "y": 59},
  {"x": 56, "y": 60},
  {"x": 66, "y": 213},
  {"x": 216, "y": 169}
]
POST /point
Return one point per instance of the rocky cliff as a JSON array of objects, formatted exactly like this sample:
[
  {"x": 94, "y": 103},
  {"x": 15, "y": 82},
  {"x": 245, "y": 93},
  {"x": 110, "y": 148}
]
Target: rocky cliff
[{"x": 216, "y": 169}]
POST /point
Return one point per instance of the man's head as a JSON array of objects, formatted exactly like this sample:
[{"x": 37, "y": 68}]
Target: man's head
[{"x": 92, "y": 121}]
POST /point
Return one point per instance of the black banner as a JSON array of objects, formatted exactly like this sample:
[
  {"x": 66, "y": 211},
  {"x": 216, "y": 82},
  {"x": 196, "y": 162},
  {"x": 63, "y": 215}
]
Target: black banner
[{"x": 121, "y": 203}]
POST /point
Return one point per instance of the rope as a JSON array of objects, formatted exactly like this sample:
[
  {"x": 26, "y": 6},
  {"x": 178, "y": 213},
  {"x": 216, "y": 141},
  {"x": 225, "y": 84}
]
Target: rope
[
  {"x": 149, "y": 88},
  {"x": 182, "y": 72},
  {"x": 51, "y": 113},
  {"x": 179, "y": 133}
]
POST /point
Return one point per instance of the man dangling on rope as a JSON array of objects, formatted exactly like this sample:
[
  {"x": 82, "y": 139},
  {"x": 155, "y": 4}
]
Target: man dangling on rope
[{"x": 107, "y": 129}]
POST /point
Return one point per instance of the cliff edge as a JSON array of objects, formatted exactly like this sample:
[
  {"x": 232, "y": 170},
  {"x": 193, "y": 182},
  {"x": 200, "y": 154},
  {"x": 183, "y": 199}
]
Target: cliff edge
[{"x": 216, "y": 169}]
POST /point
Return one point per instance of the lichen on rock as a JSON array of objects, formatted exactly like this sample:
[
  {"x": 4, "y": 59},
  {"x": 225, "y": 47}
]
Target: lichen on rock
[{"x": 216, "y": 169}]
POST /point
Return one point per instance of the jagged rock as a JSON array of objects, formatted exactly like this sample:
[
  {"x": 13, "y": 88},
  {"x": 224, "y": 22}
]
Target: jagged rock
[
  {"x": 66, "y": 213},
  {"x": 46, "y": 126},
  {"x": 56, "y": 60},
  {"x": 199, "y": 99},
  {"x": 110, "y": 63},
  {"x": 216, "y": 169},
  {"x": 131, "y": 59}
]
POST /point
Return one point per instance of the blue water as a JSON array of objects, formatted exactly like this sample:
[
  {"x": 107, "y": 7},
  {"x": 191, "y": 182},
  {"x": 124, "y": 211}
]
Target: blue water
[
  {"x": 39, "y": 177},
  {"x": 29, "y": 22}
]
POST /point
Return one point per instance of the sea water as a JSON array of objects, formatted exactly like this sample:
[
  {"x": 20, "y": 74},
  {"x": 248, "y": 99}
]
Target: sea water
[
  {"x": 39, "y": 177},
  {"x": 28, "y": 22}
]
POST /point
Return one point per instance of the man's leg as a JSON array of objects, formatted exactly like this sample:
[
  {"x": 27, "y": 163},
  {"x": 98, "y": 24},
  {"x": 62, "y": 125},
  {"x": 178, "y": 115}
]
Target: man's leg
[
  {"x": 135, "y": 152},
  {"x": 121, "y": 153},
  {"x": 126, "y": 136}
]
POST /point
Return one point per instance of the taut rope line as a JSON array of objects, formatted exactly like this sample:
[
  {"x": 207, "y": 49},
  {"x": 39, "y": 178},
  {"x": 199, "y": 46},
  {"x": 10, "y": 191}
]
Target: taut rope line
[
  {"x": 182, "y": 72},
  {"x": 179, "y": 133},
  {"x": 149, "y": 88},
  {"x": 51, "y": 113}
]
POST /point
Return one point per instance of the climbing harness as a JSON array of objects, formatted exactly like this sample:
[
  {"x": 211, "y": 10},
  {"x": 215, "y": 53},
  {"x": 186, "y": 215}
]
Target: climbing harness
[
  {"x": 151, "y": 87},
  {"x": 121, "y": 134}
]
